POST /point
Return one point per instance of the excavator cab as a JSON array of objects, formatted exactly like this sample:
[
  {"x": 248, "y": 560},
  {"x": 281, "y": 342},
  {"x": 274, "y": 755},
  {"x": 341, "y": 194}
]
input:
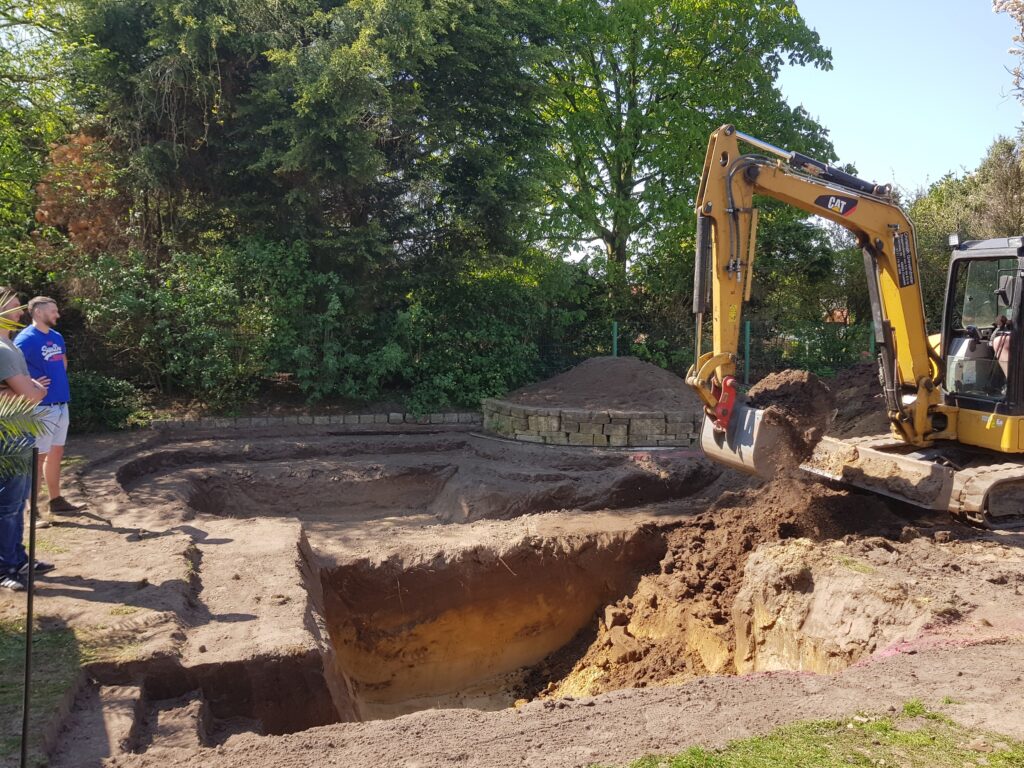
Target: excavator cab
[{"x": 981, "y": 338}]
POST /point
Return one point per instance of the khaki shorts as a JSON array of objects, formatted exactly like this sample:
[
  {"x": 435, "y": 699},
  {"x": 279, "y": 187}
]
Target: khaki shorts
[{"x": 55, "y": 426}]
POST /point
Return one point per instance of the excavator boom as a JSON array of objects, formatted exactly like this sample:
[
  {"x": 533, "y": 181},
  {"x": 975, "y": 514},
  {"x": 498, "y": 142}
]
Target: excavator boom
[{"x": 947, "y": 444}]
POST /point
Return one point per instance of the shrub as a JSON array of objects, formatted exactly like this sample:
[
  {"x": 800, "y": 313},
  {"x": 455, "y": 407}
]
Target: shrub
[{"x": 100, "y": 403}]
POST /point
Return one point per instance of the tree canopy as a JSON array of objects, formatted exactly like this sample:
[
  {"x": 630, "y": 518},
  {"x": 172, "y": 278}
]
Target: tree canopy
[{"x": 429, "y": 201}]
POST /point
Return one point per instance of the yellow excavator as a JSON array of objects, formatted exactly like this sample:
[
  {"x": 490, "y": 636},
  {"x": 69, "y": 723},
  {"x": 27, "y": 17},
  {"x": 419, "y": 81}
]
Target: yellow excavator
[{"x": 955, "y": 400}]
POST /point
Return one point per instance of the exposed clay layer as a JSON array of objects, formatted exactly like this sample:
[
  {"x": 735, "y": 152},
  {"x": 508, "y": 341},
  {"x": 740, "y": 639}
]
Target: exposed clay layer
[{"x": 455, "y": 633}]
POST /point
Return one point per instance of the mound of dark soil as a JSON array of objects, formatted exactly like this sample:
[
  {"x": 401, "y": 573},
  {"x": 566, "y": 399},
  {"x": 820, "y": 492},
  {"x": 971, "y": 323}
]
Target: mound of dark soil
[
  {"x": 620, "y": 383},
  {"x": 799, "y": 403},
  {"x": 859, "y": 399}
]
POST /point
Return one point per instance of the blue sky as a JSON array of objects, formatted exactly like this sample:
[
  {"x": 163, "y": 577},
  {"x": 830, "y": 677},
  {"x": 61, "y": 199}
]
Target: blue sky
[{"x": 918, "y": 87}]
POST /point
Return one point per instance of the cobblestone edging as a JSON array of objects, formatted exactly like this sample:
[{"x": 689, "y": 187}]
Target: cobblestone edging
[
  {"x": 568, "y": 426},
  {"x": 347, "y": 419}
]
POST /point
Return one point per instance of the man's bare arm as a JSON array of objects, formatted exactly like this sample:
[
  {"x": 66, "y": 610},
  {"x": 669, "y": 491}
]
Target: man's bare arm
[{"x": 27, "y": 387}]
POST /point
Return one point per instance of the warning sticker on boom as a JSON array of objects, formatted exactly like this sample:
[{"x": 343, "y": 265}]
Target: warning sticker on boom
[{"x": 904, "y": 262}]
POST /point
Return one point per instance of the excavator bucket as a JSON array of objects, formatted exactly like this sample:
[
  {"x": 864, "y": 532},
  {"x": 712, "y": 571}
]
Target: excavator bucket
[{"x": 750, "y": 444}]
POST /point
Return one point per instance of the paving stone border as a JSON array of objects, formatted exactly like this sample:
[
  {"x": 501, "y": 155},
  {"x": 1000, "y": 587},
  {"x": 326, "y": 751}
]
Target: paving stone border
[
  {"x": 310, "y": 419},
  {"x": 571, "y": 426}
]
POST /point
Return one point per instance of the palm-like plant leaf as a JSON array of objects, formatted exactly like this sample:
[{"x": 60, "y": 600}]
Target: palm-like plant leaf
[
  {"x": 18, "y": 418},
  {"x": 15, "y": 458},
  {"x": 8, "y": 323},
  {"x": 18, "y": 424}
]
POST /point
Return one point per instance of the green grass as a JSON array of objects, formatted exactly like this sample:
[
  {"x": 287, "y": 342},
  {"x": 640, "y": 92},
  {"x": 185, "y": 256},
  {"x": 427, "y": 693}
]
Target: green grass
[
  {"x": 50, "y": 547},
  {"x": 55, "y": 663},
  {"x": 916, "y": 738},
  {"x": 854, "y": 564}
]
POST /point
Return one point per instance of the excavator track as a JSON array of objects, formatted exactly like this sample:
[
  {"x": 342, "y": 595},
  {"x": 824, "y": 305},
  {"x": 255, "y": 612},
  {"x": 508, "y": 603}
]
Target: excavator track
[{"x": 975, "y": 487}]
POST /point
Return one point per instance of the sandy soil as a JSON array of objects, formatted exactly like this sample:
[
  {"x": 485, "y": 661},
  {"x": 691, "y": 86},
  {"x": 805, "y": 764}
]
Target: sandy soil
[{"x": 313, "y": 598}]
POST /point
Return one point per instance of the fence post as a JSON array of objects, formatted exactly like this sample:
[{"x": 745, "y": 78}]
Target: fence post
[
  {"x": 615, "y": 338},
  {"x": 871, "y": 342},
  {"x": 746, "y": 353}
]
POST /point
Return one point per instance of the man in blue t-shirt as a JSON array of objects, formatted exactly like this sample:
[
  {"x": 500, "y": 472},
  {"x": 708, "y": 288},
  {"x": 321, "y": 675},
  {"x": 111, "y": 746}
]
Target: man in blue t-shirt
[{"x": 46, "y": 355}]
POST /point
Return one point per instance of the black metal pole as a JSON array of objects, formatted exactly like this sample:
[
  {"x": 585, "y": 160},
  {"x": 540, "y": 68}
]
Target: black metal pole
[{"x": 33, "y": 508}]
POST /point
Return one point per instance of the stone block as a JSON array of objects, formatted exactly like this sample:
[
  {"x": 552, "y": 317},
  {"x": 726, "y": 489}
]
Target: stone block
[
  {"x": 600, "y": 440},
  {"x": 555, "y": 438},
  {"x": 598, "y": 417},
  {"x": 305, "y": 420},
  {"x": 570, "y": 426},
  {"x": 259, "y": 421},
  {"x": 466, "y": 418},
  {"x": 438, "y": 418},
  {"x": 647, "y": 426},
  {"x": 682, "y": 443},
  {"x": 617, "y": 440},
  {"x": 589, "y": 428},
  {"x": 395, "y": 418},
  {"x": 545, "y": 423},
  {"x": 678, "y": 427},
  {"x": 322, "y": 419},
  {"x": 380, "y": 418},
  {"x": 519, "y": 423},
  {"x": 451, "y": 418},
  {"x": 576, "y": 438},
  {"x": 520, "y": 411},
  {"x": 350, "y": 418},
  {"x": 574, "y": 414},
  {"x": 529, "y": 438},
  {"x": 615, "y": 429},
  {"x": 641, "y": 440},
  {"x": 336, "y": 418},
  {"x": 366, "y": 418},
  {"x": 495, "y": 422},
  {"x": 628, "y": 416}
]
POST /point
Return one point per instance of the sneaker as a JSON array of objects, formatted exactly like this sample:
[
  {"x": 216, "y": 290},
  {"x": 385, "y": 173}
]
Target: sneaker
[
  {"x": 62, "y": 506},
  {"x": 12, "y": 582},
  {"x": 41, "y": 567}
]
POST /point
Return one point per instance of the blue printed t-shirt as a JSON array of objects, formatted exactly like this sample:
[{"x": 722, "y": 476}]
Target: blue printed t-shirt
[{"x": 44, "y": 353}]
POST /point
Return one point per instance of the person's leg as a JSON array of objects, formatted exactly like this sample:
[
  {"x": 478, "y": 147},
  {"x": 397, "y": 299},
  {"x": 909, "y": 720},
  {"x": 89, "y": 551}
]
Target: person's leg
[
  {"x": 51, "y": 470},
  {"x": 40, "y": 469},
  {"x": 58, "y": 436},
  {"x": 48, "y": 417},
  {"x": 13, "y": 492}
]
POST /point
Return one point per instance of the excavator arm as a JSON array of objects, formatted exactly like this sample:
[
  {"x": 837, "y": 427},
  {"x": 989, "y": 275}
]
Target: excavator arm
[{"x": 726, "y": 234}]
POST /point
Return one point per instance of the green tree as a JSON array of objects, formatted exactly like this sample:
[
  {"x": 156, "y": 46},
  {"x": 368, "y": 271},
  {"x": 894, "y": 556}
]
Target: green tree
[
  {"x": 999, "y": 194},
  {"x": 636, "y": 88}
]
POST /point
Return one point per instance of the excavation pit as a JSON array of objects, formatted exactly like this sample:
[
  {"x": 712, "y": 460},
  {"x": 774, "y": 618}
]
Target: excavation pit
[{"x": 338, "y": 578}]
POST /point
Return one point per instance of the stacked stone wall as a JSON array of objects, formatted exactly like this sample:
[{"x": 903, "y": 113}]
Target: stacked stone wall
[{"x": 611, "y": 428}]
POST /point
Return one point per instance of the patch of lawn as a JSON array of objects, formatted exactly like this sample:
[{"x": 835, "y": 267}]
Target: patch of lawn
[
  {"x": 55, "y": 663},
  {"x": 917, "y": 738}
]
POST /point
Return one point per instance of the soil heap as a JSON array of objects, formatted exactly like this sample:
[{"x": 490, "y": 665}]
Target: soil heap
[
  {"x": 678, "y": 623},
  {"x": 859, "y": 399},
  {"x": 801, "y": 405},
  {"x": 620, "y": 383}
]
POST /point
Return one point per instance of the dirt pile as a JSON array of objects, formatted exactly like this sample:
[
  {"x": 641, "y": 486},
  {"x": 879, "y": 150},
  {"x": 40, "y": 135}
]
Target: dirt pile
[
  {"x": 800, "y": 404},
  {"x": 858, "y": 395},
  {"x": 678, "y": 623},
  {"x": 623, "y": 383}
]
